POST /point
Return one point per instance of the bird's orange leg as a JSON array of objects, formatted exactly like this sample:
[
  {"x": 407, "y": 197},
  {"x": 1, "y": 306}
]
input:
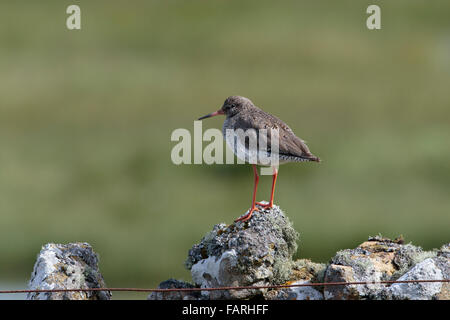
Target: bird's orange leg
[
  {"x": 274, "y": 181},
  {"x": 253, "y": 208}
]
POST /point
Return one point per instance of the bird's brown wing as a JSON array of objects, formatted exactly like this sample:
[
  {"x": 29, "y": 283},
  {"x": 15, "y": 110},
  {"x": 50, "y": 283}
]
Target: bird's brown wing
[{"x": 289, "y": 143}]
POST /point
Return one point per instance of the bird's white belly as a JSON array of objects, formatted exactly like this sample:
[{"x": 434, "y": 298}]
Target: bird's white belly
[{"x": 251, "y": 154}]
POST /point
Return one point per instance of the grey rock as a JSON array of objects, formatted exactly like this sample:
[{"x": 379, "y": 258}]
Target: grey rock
[
  {"x": 303, "y": 271},
  {"x": 408, "y": 256},
  {"x": 67, "y": 266},
  {"x": 304, "y": 293},
  {"x": 370, "y": 261},
  {"x": 295, "y": 293},
  {"x": 425, "y": 270},
  {"x": 380, "y": 259},
  {"x": 256, "y": 252},
  {"x": 444, "y": 251}
]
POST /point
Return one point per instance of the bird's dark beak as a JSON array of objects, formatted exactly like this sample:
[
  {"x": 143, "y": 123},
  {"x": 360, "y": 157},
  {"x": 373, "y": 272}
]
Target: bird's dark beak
[{"x": 218, "y": 112}]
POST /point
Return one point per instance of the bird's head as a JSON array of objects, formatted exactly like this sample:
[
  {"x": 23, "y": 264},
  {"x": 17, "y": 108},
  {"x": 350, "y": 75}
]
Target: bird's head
[{"x": 232, "y": 106}]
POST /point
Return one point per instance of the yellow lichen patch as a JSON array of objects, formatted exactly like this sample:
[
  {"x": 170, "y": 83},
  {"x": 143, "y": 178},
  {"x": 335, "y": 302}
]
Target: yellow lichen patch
[
  {"x": 57, "y": 278},
  {"x": 300, "y": 274},
  {"x": 381, "y": 256},
  {"x": 383, "y": 262},
  {"x": 79, "y": 296}
]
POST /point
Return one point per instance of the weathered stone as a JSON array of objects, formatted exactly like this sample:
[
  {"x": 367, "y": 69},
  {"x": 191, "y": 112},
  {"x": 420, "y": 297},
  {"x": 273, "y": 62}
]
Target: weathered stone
[
  {"x": 444, "y": 251},
  {"x": 256, "y": 252},
  {"x": 425, "y": 270},
  {"x": 380, "y": 259},
  {"x": 338, "y": 273},
  {"x": 70, "y": 266},
  {"x": 408, "y": 256},
  {"x": 303, "y": 271},
  {"x": 443, "y": 262},
  {"x": 295, "y": 293}
]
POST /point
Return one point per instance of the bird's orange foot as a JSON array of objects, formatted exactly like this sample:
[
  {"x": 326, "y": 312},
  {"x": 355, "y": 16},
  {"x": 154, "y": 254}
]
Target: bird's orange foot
[
  {"x": 265, "y": 205},
  {"x": 248, "y": 215}
]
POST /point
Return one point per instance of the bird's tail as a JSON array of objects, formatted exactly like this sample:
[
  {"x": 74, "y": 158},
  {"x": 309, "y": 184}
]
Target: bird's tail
[{"x": 314, "y": 158}]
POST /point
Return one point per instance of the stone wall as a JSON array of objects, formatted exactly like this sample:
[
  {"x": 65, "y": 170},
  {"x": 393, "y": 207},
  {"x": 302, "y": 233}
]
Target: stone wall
[{"x": 259, "y": 252}]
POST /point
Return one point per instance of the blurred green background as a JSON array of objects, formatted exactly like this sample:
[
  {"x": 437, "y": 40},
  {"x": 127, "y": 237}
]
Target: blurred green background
[{"x": 86, "y": 118}]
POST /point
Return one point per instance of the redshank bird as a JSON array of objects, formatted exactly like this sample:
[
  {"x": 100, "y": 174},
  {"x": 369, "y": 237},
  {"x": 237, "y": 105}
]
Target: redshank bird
[{"x": 241, "y": 113}]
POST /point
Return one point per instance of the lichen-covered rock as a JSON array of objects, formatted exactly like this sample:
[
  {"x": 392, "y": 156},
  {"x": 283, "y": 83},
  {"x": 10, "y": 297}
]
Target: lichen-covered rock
[
  {"x": 339, "y": 273},
  {"x": 259, "y": 252},
  {"x": 443, "y": 262},
  {"x": 303, "y": 271},
  {"x": 380, "y": 259},
  {"x": 175, "y": 295},
  {"x": 295, "y": 293},
  {"x": 67, "y": 266},
  {"x": 444, "y": 251},
  {"x": 255, "y": 252},
  {"x": 426, "y": 270}
]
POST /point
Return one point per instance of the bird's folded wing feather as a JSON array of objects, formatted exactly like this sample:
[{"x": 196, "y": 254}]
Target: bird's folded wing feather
[{"x": 289, "y": 143}]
